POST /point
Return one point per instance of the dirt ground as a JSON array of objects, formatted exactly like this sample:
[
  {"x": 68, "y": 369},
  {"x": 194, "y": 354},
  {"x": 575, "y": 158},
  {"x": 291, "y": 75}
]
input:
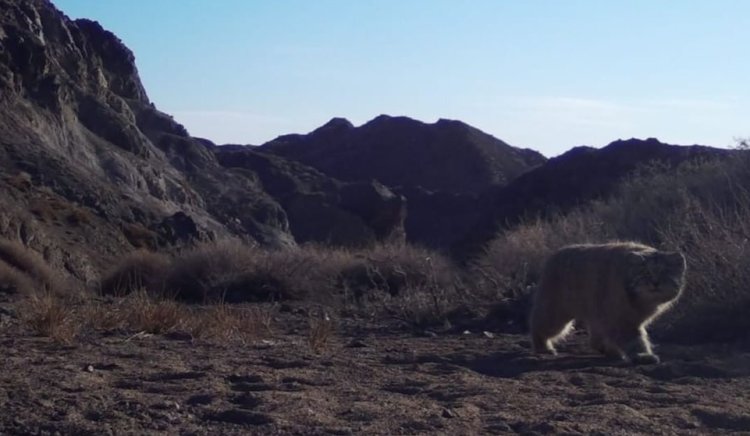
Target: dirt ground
[{"x": 365, "y": 381}]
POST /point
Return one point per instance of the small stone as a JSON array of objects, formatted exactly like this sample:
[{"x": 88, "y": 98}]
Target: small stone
[
  {"x": 466, "y": 332},
  {"x": 488, "y": 334},
  {"x": 90, "y": 368}
]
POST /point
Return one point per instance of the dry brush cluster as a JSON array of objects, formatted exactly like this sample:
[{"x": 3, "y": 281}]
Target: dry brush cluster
[{"x": 406, "y": 282}]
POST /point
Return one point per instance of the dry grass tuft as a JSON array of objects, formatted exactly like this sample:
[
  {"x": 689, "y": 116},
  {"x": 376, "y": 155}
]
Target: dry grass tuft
[
  {"x": 322, "y": 329},
  {"x": 139, "y": 236},
  {"x": 230, "y": 272},
  {"x": 203, "y": 274},
  {"x": 50, "y": 316},
  {"x": 13, "y": 281},
  {"x": 138, "y": 270},
  {"x": 31, "y": 265},
  {"x": 156, "y": 315},
  {"x": 21, "y": 181},
  {"x": 52, "y": 209},
  {"x": 717, "y": 246},
  {"x": 512, "y": 263},
  {"x": 390, "y": 278},
  {"x": 227, "y": 323},
  {"x": 233, "y": 272},
  {"x": 142, "y": 312},
  {"x": 393, "y": 269}
]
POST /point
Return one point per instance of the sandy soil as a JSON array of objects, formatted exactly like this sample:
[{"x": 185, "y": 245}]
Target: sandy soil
[{"x": 366, "y": 381}]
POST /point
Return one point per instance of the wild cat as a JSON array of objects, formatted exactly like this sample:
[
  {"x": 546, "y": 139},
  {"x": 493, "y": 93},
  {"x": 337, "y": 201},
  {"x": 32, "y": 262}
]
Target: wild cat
[{"x": 614, "y": 289}]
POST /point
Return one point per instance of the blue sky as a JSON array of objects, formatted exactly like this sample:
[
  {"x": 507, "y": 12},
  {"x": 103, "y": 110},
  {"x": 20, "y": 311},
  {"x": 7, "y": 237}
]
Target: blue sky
[{"x": 548, "y": 75}]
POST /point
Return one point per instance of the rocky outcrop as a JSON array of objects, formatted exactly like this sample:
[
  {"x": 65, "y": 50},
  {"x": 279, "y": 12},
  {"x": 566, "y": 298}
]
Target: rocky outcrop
[
  {"x": 319, "y": 208},
  {"x": 447, "y": 156}
]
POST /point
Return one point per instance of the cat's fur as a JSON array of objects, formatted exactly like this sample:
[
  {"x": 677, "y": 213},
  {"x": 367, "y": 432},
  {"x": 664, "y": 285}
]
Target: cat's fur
[{"x": 614, "y": 289}]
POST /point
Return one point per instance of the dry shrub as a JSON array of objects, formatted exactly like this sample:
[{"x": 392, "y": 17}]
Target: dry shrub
[
  {"x": 233, "y": 272},
  {"x": 716, "y": 300},
  {"x": 50, "y": 316},
  {"x": 78, "y": 216},
  {"x": 385, "y": 278},
  {"x": 139, "y": 236},
  {"x": 203, "y": 274},
  {"x": 299, "y": 273},
  {"x": 13, "y": 281},
  {"x": 656, "y": 194},
  {"x": 228, "y": 323},
  {"x": 321, "y": 331},
  {"x": 512, "y": 263},
  {"x": 138, "y": 270},
  {"x": 425, "y": 306},
  {"x": 29, "y": 264},
  {"x": 394, "y": 268},
  {"x": 43, "y": 210},
  {"x": 156, "y": 315},
  {"x": 50, "y": 208},
  {"x": 416, "y": 286},
  {"x": 105, "y": 315},
  {"x": 142, "y": 312},
  {"x": 21, "y": 181}
]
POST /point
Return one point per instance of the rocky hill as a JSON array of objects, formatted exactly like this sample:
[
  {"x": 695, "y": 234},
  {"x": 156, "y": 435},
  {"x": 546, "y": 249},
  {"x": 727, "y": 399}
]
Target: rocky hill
[
  {"x": 320, "y": 208},
  {"x": 91, "y": 169},
  {"x": 442, "y": 169},
  {"x": 447, "y": 156}
]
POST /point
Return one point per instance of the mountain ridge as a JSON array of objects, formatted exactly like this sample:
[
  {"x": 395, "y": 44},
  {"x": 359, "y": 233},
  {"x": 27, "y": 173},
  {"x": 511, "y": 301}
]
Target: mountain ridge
[{"x": 447, "y": 155}]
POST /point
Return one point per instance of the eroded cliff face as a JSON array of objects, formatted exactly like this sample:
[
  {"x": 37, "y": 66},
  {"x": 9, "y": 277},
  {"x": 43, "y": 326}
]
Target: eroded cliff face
[{"x": 90, "y": 168}]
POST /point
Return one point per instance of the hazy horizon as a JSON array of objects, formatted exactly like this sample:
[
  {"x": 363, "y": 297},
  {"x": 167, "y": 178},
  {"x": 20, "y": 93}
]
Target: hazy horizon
[{"x": 540, "y": 74}]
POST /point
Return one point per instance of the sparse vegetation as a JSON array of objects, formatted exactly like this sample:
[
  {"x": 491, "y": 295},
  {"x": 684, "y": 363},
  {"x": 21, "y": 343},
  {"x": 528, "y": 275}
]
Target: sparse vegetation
[
  {"x": 23, "y": 270},
  {"x": 390, "y": 277},
  {"x": 139, "y": 236},
  {"x": 50, "y": 208},
  {"x": 228, "y": 271},
  {"x": 13, "y": 281},
  {"x": 50, "y": 316},
  {"x": 321, "y": 330},
  {"x": 62, "y": 320},
  {"x": 138, "y": 270}
]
